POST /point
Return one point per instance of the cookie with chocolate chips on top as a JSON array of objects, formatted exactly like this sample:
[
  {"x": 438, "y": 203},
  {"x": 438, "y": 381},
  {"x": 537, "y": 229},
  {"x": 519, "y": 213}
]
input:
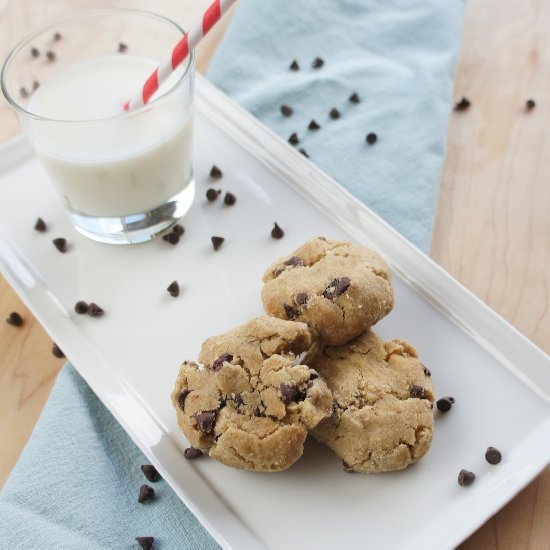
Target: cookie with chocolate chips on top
[
  {"x": 249, "y": 402},
  {"x": 337, "y": 288}
]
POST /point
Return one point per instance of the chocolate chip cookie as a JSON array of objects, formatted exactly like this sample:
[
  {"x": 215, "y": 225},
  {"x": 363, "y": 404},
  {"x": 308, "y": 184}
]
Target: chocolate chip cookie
[
  {"x": 249, "y": 402},
  {"x": 337, "y": 288},
  {"x": 383, "y": 403}
]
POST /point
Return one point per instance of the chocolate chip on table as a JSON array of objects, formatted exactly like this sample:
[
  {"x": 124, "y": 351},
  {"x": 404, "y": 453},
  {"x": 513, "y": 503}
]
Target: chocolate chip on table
[
  {"x": 81, "y": 307},
  {"x": 146, "y": 543},
  {"x": 463, "y": 104},
  {"x": 354, "y": 98},
  {"x": 174, "y": 289},
  {"x": 286, "y": 110},
  {"x": 493, "y": 455},
  {"x": 289, "y": 392},
  {"x": 57, "y": 36},
  {"x": 530, "y": 104},
  {"x": 35, "y": 85},
  {"x": 313, "y": 125},
  {"x": 178, "y": 229},
  {"x": 205, "y": 420},
  {"x": 294, "y": 261},
  {"x": 56, "y": 351},
  {"x": 146, "y": 492},
  {"x": 217, "y": 242},
  {"x": 215, "y": 172},
  {"x": 150, "y": 472},
  {"x": 40, "y": 225},
  {"x": 303, "y": 152},
  {"x": 61, "y": 244},
  {"x": 230, "y": 199},
  {"x": 337, "y": 287},
  {"x": 334, "y": 113},
  {"x": 15, "y": 319},
  {"x": 444, "y": 404},
  {"x": 182, "y": 397},
  {"x": 23, "y": 92},
  {"x": 417, "y": 391},
  {"x": 172, "y": 238},
  {"x": 294, "y": 66},
  {"x": 95, "y": 311},
  {"x": 192, "y": 452},
  {"x": 224, "y": 358},
  {"x": 301, "y": 298},
  {"x": 122, "y": 47},
  {"x": 466, "y": 478},
  {"x": 35, "y": 52},
  {"x": 211, "y": 195},
  {"x": 51, "y": 56},
  {"x": 294, "y": 139},
  {"x": 317, "y": 63},
  {"x": 371, "y": 138},
  {"x": 291, "y": 312},
  {"x": 277, "y": 232}
]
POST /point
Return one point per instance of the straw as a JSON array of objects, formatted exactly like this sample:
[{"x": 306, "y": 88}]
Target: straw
[{"x": 211, "y": 16}]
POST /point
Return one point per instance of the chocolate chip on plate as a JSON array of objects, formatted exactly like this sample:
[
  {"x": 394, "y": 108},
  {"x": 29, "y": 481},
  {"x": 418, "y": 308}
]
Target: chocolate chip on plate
[
  {"x": 444, "y": 404},
  {"x": 277, "y": 232},
  {"x": 61, "y": 244},
  {"x": 182, "y": 397},
  {"x": 146, "y": 543},
  {"x": 174, "y": 289},
  {"x": 150, "y": 472},
  {"x": 215, "y": 172},
  {"x": 371, "y": 138},
  {"x": 211, "y": 195},
  {"x": 230, "y": 199},
  {"x": 417, "y": 391},
  {"x": 205, "y": 420},
  {"x": 35, "y": 85},
  {"x": 294, "y": 66},
  {"x": 463, "y": 104},
  {"x": 303, "y": 152},
  {"x": 354, "y": 98},
  {"x": 51, "y": 56},
  {"x": 40, "y": 225},
  {"x": 224, "y": 358},
  {"x": 291, "y": 312},
  {"x": 289, "y": 392},
  {"x": 172, "y": 238},
  {"x": 493, "y": 455},
  {"x": 95, "y": 311},
  {"x": 81, "y": 307},
  {"x": 294, "y": 139},
  {"x": 217, "y": 242},
  {"x": 122, "y": 47},
  {"x": 336, "y": 287},
  {"x": 146, "y": 492},
  {"x": 57, "y": 36},
  {"x": 317, "y": 63},
  {"x": 466, "y": 478},
  {"x": 286, "y": 110},
  {"x": 192, "y": 452},
  {"x": 23, "y": 92},
  {"x": 530, "y": 104},
  {"x": 334, "y": 113},
  {"x": 56, "y": 351},
  {"x": 178, "y": 229},
  {"x": 313, "y": 125},
  {"x": 15, "y": 319},
  {"x": 35, "y": 52}
]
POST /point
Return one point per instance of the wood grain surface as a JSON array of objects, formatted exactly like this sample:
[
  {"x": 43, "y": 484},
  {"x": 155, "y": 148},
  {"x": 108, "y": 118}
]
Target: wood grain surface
[{"x": 492, "y": 229}]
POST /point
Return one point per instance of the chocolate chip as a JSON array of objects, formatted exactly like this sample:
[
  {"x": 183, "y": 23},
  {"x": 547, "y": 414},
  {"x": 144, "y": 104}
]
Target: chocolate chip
[
  {"x": 15, "y": 319},
  {"x": 303, "y": 152},
  {"x": 417, "y": 391},
  {"x": 313, "y": 125},
  {"x": 35, "y": 85},
  {"x": 294, "y": 261},
  {"x": 293, "y": 139},
  {"x": 354, "y": 98},
  {"x": 211, "y": 195},
  {"x": 205, "y": 420},
  {"x": 81, "y": 307},
  {"x": 40, "y": 225},
  {"x": 530, "y": 104},
  {"x": 462, "y": 105},
  {"x": 238, "y": 400},
  {"x": 493, "y": 455},
  {"x": 51, "y": 56},
  {"x": 61, "y": 244},
  {"x": 371, "y": 138},
  {"x": 56, "y": 351},
  {"x": 300, "y": 298},
  {"x": 182, "y": 397},
  {"x": 286, "y": 110},
  {"x": 122, "y": 47},
  {"x": 217, "y": 242},
  {"x": 23, "y": 92},
  {"x": 146, "y": 543},
  {"x": 291, "y": 312},
  {"x": 337, "y": 287},
  {"x": 172, "y": 238},
  {"x": 313, "y": 375},
  {"x": 35, "y": 52},
  {"x": 57, "y": 36},
  {"x": 317, "y": 63},
  {"x": 427, "y": 371},
  {"x": 465, "y": 478},
  {"x": 95, "y": 311},
  {"x": 277, "y": 232},
  {"x": 294, "y": 66},
  {"x": 215, "y": 172},
  {"x": 223, "y": 358},
  {"x": 146, "y": 492},
  {"x": 191, "y": 453},
  {"x": 230, "y": 199},
  {"x": 289, "y": 392},
  {"x": 444, "y": 404},
  {"x": 334, "y": 113},
  {"x": 174, "y": 289},
  {"x": 178, "y": 229},
  {"x": 150, "y": 472}
]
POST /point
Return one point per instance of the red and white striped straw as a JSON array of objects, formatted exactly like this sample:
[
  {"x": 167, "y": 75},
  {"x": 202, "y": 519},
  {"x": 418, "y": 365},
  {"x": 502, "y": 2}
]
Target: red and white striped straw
[{"x": 211, "y": 16}]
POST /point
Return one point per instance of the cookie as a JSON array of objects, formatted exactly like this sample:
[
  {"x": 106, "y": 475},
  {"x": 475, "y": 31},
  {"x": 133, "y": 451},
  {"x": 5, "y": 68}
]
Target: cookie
[
  {"x": 249, "y": 403},
  {"x": 383, "y": 404},
  {"x": 337, "y": 288}
]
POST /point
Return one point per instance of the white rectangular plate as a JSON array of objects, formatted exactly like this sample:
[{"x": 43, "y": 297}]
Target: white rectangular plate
[{"x": 131, "y": 356}]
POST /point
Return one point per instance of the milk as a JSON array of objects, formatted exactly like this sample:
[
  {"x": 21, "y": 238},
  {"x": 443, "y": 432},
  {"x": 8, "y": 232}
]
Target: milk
[{"x": 105, "y": 162}]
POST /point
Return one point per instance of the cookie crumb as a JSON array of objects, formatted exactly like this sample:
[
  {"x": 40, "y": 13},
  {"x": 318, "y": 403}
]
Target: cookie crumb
[
  {"x": 192, "y": 452},
  {"x": 466, "y": 478},
  {"x": 146, "y": 492},
  {"x": 150, "y": 472},
  {"x": 15, "y": 319},
  {"x": 493, "y": 455}
]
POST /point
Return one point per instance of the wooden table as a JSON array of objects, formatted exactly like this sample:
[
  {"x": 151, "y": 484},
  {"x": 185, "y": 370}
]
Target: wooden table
[{"x": 492, "y": 230}]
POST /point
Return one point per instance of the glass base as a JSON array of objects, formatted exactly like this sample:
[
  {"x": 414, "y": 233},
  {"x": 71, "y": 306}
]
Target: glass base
[{"x": 135, "y": 228}]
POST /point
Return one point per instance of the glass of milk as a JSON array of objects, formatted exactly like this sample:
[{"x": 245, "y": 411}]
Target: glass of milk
[{"x": 123, "y": 177}]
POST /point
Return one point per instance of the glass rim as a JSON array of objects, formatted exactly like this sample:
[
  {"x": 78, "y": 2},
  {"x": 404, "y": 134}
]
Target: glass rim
[{"x": 83, "y": 15}]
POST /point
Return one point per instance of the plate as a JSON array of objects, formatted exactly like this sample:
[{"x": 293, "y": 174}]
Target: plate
[{"x": 130, "y": 357}]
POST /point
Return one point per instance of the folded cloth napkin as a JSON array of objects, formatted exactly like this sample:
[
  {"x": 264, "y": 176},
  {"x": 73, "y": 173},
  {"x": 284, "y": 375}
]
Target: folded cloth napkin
[{"x": 75, "y": 483}]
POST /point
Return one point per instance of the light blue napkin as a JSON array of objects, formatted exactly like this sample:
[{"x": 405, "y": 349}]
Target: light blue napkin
[{"x": 75, "y": 486}]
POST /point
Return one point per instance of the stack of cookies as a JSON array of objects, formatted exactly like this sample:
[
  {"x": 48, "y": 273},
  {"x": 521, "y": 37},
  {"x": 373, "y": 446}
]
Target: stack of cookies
[{"x": 313, "y": 365}]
